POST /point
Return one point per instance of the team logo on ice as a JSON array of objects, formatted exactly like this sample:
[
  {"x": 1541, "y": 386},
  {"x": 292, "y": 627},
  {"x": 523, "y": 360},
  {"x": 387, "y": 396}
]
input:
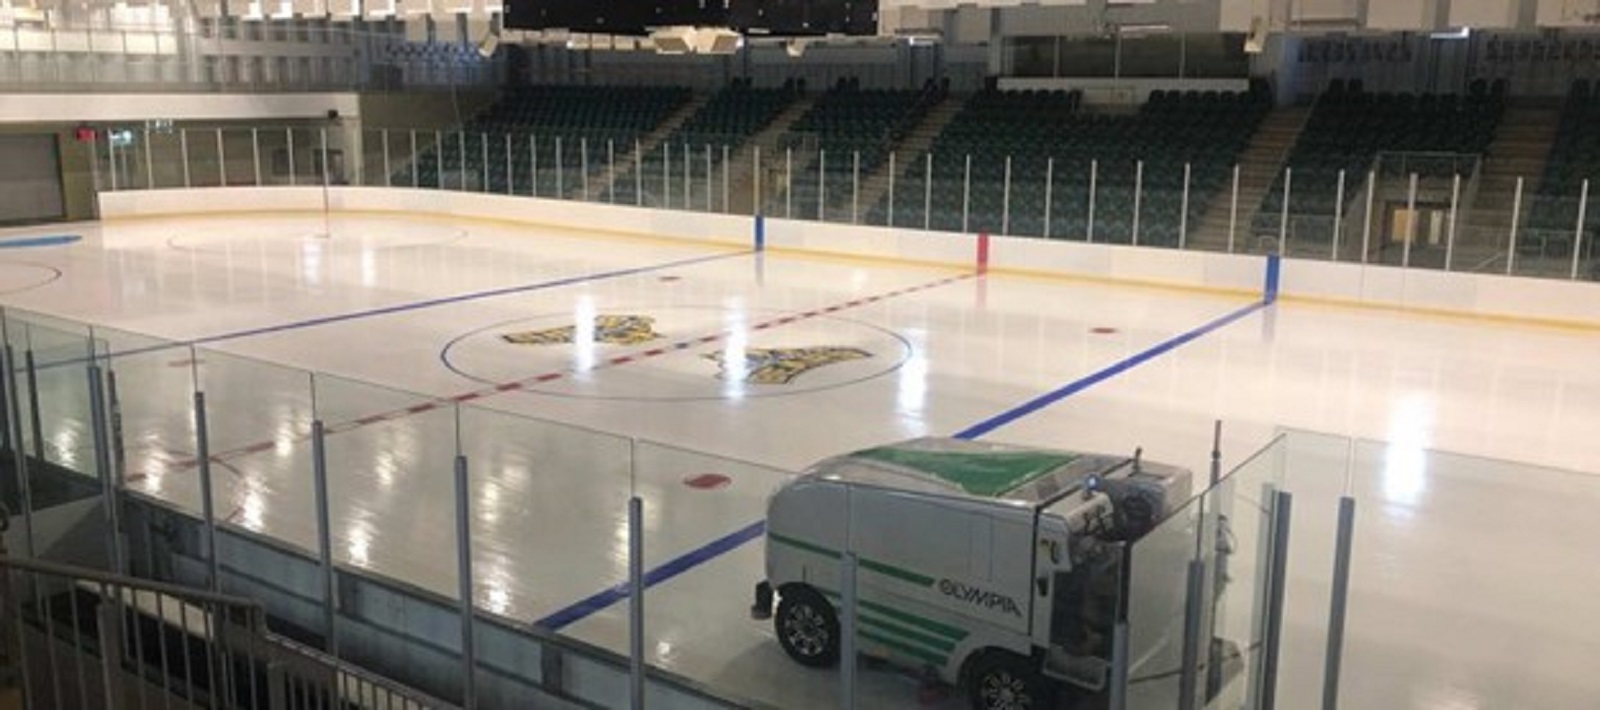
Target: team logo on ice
[
  {"x": 611, "y": 330},
  {"x": 780, "y": 366}
]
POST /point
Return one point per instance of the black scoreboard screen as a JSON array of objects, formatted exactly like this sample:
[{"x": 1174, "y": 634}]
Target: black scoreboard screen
[{"x": 776, "y": 17}]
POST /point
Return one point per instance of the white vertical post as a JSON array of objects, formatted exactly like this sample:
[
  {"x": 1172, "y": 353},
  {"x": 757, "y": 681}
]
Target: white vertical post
[
  {"x": 1411, "y": 223},
  {"x": 149, "y": 163},
  {"x": 1138, "y": 197},
  {"x": 1577, "y": 235},
  {"x": 289, "y": 133},
  {"x": 324, "y": 158},
  {"x": 1366, "y": 226},
  {"x": 255, "y": 153},
  {"x": 855, "y": 188},
  {"x": 1005, "y": 201},
  {"x": 966, "y": 195},
  {"x": 483, "y": 156},
  {"x": 583, "y": 165},
  {"x": 611, "y": 169},
  {"x": 1338, "y": 217},
  {"x": 822, "y": 184},
  {"x": 927, "y": 195},
  {"x": 1455, "y": 206},
  {"x": 438, "y": 159},
  {"x": 1094, "y": 177},
  {"x": 1183, "y": 214},
  {"x": 688, "y": 178},
  {"x": 891, "y": 187},
  {"x": 1049, "y": 191},
  {"x": 638, "y": 174},
  {"x": 1233, "y": 210},
  {"x": 388, "y": 174},
  {"x": 111, "y": 160},
  {"x": 561, "y": 179},
  {"x": 1283, "y": 216},
  {"x": 1516, "y": 216},
  {"x": 222, "y": 161},
  {"x": 666, "y": 174},
  {"x": 183, "y": 153},
  {"x": 788, "y": 182},
  {"x": 461, "y": 157},
  {"x": 416, "y": 167},
  {"x": 511, "y": 169}
]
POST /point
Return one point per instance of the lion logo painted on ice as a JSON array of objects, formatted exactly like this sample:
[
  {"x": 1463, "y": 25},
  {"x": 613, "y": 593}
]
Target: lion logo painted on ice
[
  {"x": 780, "y": 366},
  {"x": 610, "y": 330}
]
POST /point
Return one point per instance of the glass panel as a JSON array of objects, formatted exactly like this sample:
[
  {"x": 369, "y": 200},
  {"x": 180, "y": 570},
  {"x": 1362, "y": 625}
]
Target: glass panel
[
  {"x": 164, "y": 155},
  {"x": 151, "y": 390},
  {"x": 258, "y": 418},
  {"x": 52, "y": 359},
  {"x": 1426, "y": 566},
  {"x": 387, "y": 450},
  {"x": 550, "y": 521}
]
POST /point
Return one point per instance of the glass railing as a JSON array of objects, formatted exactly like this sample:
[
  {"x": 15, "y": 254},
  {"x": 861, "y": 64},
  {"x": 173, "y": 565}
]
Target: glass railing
[{"x": 1433, "y": 214}]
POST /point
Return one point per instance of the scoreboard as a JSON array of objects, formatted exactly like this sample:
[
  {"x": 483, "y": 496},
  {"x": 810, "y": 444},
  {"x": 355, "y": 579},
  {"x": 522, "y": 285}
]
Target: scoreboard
[{"x": 637, "y": 17}]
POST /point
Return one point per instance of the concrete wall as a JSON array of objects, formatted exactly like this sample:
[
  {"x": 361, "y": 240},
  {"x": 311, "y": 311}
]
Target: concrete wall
[{"x": 1375, "y": 286}]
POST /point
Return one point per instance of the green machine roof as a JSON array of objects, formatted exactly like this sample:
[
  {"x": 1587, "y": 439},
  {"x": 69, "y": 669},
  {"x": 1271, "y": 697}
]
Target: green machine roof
[{"x": 980, "y": 473}]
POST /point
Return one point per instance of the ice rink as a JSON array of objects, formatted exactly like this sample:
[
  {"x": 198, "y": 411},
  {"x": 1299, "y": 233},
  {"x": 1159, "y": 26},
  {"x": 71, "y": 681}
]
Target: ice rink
[{"x": 576, "y": 369}]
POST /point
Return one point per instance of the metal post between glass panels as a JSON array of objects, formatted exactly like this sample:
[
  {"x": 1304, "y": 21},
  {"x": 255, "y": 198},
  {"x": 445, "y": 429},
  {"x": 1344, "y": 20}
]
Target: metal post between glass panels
[
  {"x": 583, "y": 182},
  {"x": 927, "y": 194},
  {"x": 183, "y": 153},
  {"x": 416, "y": 167},
  {"x": 1094, "y": 176},
  {"x": 324, "y": 157},
  {"x": 255, "y": 153},
  {"x": 561, "y": 188},
  {"x": 1338, "y": 218},
  {"x": 666, "y": 174},
  {"x": 1283, "y": 213},
  {"x": 611, "y": 170},
  {"x": 638, "y": 175},
  {"x": 688, "y": 178},
  {"x": 533, "y": 164},
  {"x": 822, "y": 183},
  {"x": 1138, "y": 197},
  {"x": 1005, "y": 201},
  {"x": 1233, "y": 210},
  {"x": 1183, "y": 213},
  {"x": 1455, "y": 205},
  {"x": 636, "y": 589},
  {"x": 788, "y": 181},
  {"x": 511, "y": 169},
  {"x": 149, "y": 163},
  {"x": 1516, "y": 216},
  {"x": 1366, "y": 220},
  {"x": 1411, "y": 222},
  {"x": 222, "y": 161},
  {"x": 891, "y": 188},
  {"x": 1577, "y": 236},
  {"x": 469, "y": 664},
  {"x": 461, "y": 158},
  {"x": 855, "y": 189},
  {"x": 966, "y": 195},
  {"x": 111, "y": 162},
  {"x": 1049, "y": 192},
  {"x": 388, "y": 173},
  {"x": 438, "y": 160},
  {"x": 289, "y": 133},
  {"x": 483, "y": 156},
  {"x": 727, "y": 155},
  {"x": 710, "y": 201}
]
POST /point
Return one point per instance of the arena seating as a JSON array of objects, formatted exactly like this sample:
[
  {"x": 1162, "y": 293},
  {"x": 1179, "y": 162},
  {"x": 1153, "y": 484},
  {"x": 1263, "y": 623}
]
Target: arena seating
[
  {"x": 1205, "y": 130},
  {"x": 1349, "y": 127},
  {"x": 732, "y": 116},
  {"x": 845, "y": 122},
  {"x": 1574, "y": 157},
  {"x": 534, "y": 118}
]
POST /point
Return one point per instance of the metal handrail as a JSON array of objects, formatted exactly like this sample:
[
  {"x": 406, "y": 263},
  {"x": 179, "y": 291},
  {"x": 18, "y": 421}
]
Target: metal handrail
[{"x": 117, "y": 580}]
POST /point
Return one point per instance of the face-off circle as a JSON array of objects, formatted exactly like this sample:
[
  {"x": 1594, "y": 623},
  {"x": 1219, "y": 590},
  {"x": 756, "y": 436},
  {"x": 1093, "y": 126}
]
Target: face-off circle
[
  {"x": 19, "y": 276},
  {"x": 680, "y": 353}
]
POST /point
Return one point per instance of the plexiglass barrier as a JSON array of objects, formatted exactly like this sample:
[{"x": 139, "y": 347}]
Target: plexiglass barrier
[
  {"x": 1431, "y": 211},
  {"x": 1308, "y": 571}
]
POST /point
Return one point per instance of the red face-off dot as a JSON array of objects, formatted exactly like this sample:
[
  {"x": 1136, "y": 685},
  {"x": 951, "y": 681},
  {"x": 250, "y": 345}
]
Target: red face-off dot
[
  {"x": 707, "y": 481},
  {"x": 1102, "y": 330},
  {"x": 186, "y": 362},
  {"x": 669, "y": 279}
]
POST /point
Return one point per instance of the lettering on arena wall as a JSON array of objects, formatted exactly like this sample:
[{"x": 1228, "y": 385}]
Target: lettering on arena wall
[{"x": 991, "y": 601}]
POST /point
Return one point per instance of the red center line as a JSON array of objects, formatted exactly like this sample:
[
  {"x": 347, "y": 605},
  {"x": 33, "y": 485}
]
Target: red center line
[{"x": 490, "y": 391}]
